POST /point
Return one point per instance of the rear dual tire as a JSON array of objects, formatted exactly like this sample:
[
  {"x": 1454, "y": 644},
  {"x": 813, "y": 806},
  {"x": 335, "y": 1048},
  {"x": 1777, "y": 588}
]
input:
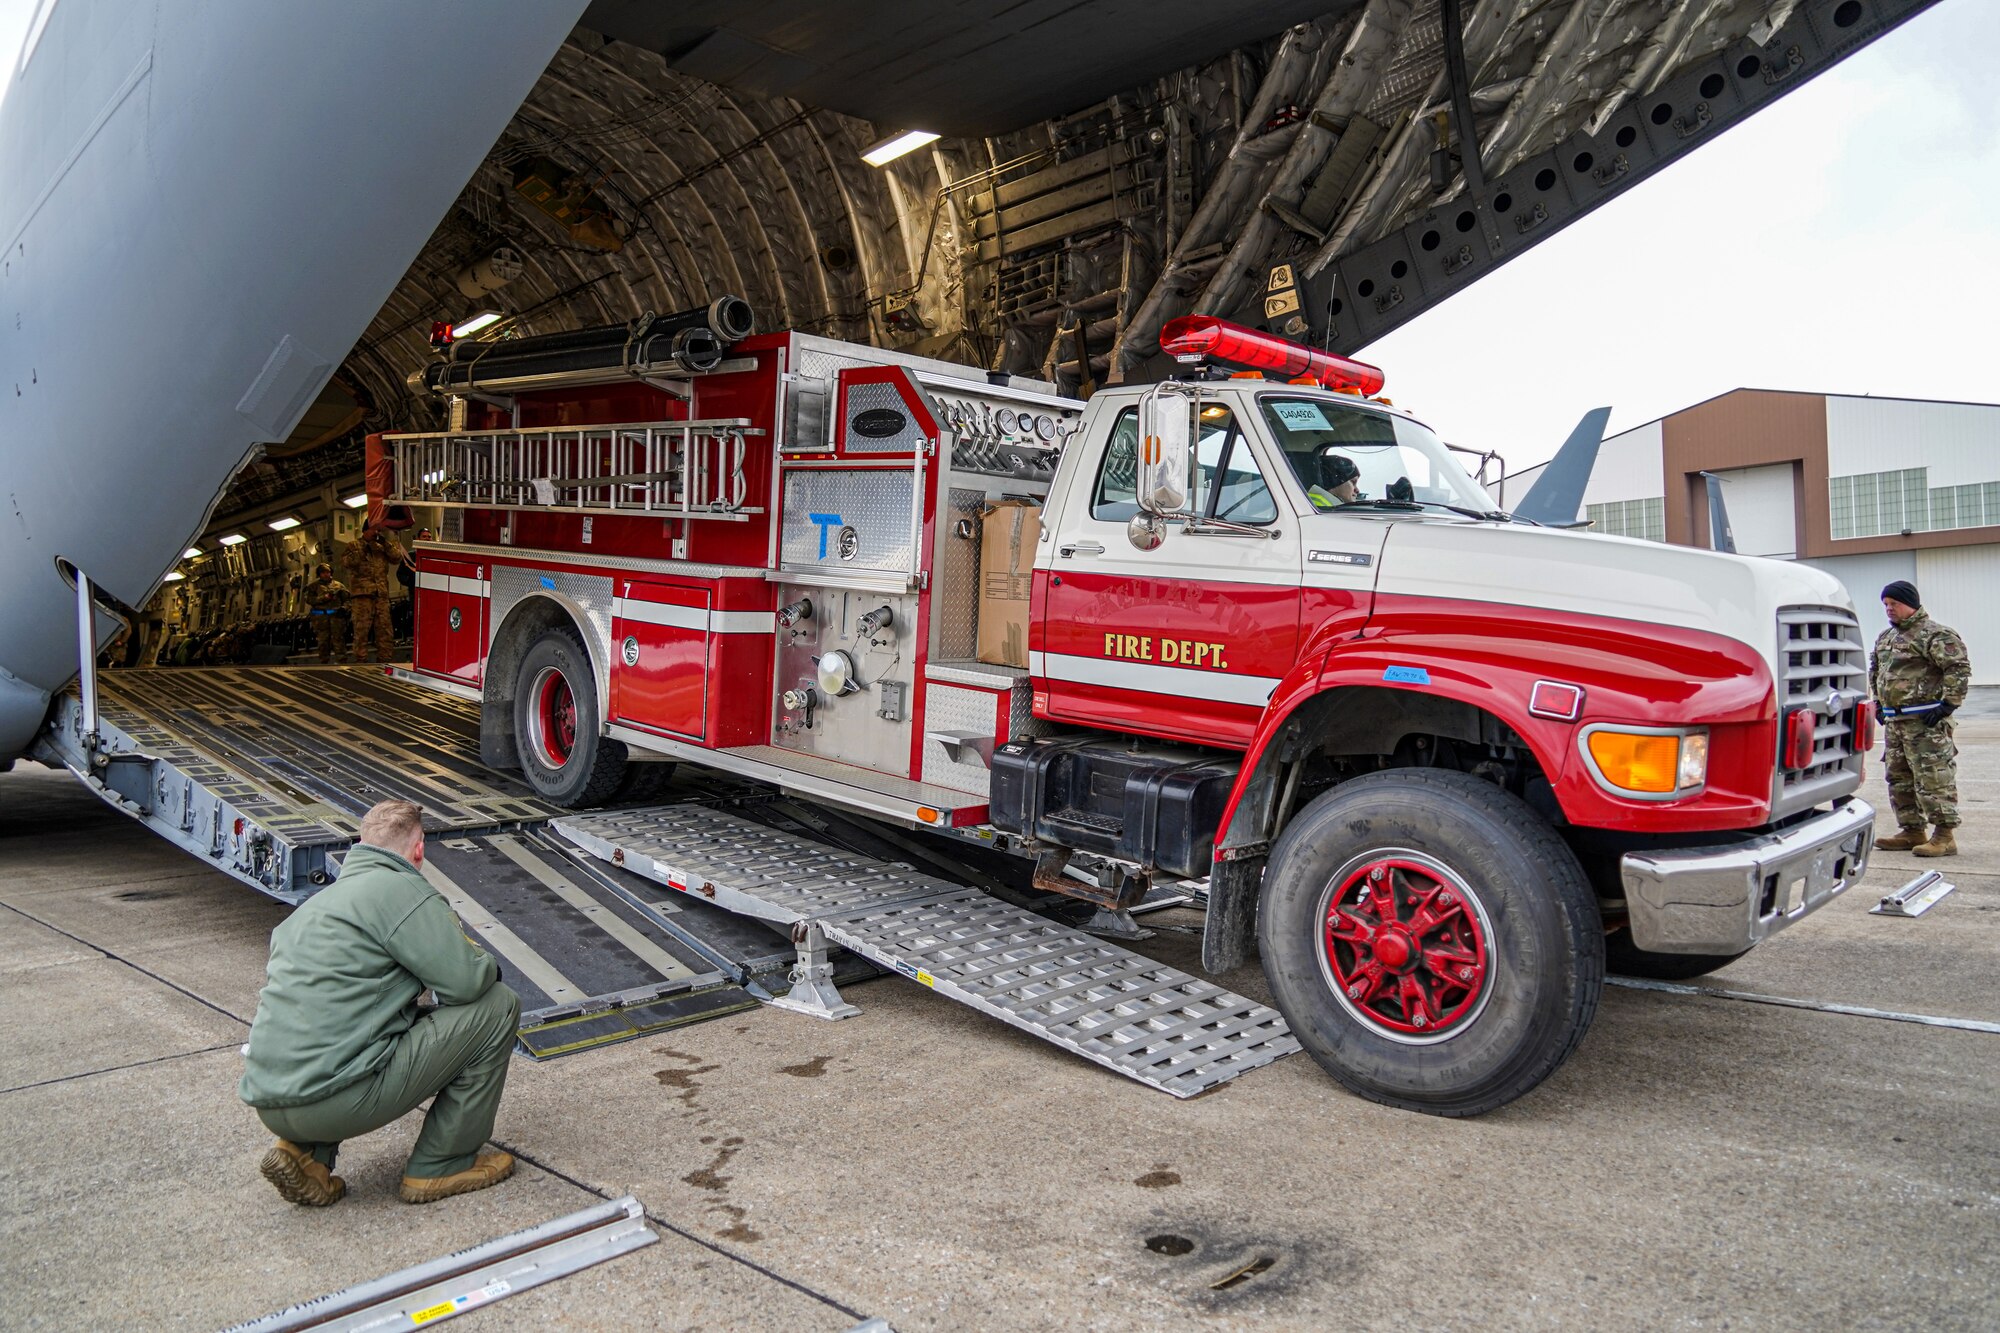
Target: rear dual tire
[
  {"x": 558, "y": 724},
  {"x": 1432, "y": 942}
]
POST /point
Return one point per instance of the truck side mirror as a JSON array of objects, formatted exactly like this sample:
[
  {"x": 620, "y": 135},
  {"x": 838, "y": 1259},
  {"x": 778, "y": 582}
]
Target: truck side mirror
[{"x": 1164, "y": 448}]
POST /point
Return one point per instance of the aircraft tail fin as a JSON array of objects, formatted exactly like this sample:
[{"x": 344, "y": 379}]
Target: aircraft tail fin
[{"x": 1557, "y": 495}]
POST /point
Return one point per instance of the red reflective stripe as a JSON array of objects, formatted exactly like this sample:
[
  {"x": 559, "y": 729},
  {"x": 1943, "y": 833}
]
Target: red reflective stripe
[{"x": 1490, "y": 655}]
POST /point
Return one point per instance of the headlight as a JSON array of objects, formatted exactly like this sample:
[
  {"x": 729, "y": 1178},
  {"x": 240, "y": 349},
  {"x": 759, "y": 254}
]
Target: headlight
[
  {"x": 1647, "y": 762},
  {"x": 1694, "y": 760}
]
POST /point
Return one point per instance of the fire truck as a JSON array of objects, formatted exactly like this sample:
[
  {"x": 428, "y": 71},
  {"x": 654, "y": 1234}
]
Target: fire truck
[{"x": 1251, "y": 628}]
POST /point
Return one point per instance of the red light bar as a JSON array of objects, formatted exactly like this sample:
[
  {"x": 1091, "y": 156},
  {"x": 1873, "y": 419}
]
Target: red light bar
[{"x": 1194, "y": 337}]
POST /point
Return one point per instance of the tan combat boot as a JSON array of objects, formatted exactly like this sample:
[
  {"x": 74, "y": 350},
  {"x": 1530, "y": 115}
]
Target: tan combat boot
[
  {"x": 1910, "y": 837},
  {"x": 1942, "y": 843},
  {"x": 299, "y": 1178},
  {"x": 490, "y": 1168}
]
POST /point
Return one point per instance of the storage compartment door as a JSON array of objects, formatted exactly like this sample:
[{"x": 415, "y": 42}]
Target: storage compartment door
[
  {"x": 451, "y": 619},
  {"x": 659, "y": 667}
]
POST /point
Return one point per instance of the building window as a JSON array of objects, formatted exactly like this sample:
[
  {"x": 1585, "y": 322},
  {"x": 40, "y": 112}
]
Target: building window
[
  {"x": 1630, "y": 518},
  {"x": 1878, "y": 504}
]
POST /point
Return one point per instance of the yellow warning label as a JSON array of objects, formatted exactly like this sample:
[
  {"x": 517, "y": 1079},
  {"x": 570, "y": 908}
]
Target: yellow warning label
[
  {"x": 926, "y": 977},
  {"x": 439, "y": 1311}
]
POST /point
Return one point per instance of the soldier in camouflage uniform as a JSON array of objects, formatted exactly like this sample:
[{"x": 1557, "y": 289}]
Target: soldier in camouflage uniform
[
  {"x": 1919, "y": 676},
  {"x": 325, "y": 595},
  {"x": 371, "y": 563}
]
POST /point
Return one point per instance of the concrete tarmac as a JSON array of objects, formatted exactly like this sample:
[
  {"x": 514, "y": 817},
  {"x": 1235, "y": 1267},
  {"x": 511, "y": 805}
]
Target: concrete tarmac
[{"x": 1699, "y": 1162}]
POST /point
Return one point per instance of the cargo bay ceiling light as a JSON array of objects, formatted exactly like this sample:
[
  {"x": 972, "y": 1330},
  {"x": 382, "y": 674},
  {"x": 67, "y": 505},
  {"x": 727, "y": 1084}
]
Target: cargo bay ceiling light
[
  {"x": 172, "y": 576},
  {"x": 484, "y": 319},
  {"x": 285, "y": 524},
  {"x": 191, "y": 553},
  {"x": 356, "y": 501},
  {"x": 893, "y": 147},
  {"x": 233, "y": 539}
]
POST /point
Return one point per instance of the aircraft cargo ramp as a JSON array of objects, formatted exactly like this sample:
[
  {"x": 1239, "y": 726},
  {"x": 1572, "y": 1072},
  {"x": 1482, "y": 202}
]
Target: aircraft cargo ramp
[{"x": 264, "y": 772}]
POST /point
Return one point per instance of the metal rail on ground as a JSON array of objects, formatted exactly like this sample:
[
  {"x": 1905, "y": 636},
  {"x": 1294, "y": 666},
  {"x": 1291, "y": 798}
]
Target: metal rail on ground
[{"x": 435, "y": 1291}]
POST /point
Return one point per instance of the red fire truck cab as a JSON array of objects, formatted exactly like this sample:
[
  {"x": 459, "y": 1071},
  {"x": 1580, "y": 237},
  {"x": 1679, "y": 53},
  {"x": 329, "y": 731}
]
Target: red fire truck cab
[{"x": 1271, "y": 636}]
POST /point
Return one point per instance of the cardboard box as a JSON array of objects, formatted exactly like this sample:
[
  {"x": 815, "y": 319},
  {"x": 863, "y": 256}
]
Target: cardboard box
[{"x": 1008, "y": 532}]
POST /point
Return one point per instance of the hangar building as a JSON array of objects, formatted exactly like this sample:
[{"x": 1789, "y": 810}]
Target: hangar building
[{"x": 1868, "y": 489}]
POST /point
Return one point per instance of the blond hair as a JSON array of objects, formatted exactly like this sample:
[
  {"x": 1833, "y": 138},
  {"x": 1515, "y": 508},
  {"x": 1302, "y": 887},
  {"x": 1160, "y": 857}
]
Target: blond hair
[{"x": 392, "y": 825}]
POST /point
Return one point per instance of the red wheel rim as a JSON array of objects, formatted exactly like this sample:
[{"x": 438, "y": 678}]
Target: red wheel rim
[
  {"x": 1405, "y": 947},
  {"x": 555, "y": 717}
]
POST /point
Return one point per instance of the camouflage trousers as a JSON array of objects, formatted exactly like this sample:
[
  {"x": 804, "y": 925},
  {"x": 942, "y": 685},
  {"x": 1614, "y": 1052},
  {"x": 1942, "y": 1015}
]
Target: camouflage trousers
[
  {"x": 1923, "y": 773},
  {"x": 327, "y": 632},
  {"x": 371, "y": 620}
]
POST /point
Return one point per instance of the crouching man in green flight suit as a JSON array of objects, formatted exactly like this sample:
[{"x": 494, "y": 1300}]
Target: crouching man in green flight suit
[{"x": 338, "y": 1047}]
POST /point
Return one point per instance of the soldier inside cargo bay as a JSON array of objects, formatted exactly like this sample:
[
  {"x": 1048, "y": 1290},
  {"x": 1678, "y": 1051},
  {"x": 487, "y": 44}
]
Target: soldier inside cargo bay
[
  {"x": 325, "y": 596},
  {"x": 1919, "y": 675},
  {"x": 371, "y": 562}
]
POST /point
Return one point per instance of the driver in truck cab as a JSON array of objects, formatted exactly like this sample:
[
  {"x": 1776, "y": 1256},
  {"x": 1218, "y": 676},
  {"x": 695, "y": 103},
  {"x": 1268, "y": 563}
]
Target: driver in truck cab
[{"x": 1339, "y": 482}]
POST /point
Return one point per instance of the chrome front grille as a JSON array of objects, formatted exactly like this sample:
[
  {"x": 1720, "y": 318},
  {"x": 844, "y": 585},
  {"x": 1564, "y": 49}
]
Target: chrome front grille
[{"x": 1826, "y": 669}]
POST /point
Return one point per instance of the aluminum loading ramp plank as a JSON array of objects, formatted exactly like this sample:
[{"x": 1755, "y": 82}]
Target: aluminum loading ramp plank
[
  {"x": 590, "y": 967},
  {"x": 1154, "y": 1023},
  {"x": 596, "y": 954}
]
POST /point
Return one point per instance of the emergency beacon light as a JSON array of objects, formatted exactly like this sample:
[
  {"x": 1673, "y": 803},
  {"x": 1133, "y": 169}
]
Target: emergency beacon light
[{"x": 1192, "y": 338}]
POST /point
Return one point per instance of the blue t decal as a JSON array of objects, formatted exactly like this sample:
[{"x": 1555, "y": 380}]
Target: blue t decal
[
  {"x": 1404, "y": 675},
  {"x": 827, "y": 522}
]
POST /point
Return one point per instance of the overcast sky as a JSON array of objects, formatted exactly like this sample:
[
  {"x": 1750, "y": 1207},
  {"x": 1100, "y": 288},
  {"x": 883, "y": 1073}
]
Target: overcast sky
[{"x": 1844, "y": 239}]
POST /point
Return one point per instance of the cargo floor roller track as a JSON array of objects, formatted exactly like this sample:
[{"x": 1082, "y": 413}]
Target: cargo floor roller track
[
  {"x": 1148, "y": 1021},
  {"x": 298, "y": 753},
  {"x": 264, "y": 772}
]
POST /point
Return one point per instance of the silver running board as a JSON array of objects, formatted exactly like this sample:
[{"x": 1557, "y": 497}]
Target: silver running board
[
  {"x": 1164, "y": 1027},
  {"x": 472, "y": 1278}
]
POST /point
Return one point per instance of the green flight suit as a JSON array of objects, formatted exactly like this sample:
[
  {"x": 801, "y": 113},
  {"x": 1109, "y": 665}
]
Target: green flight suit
[
  {"x": 338, "y": 1047},
  {"x": 1917, "y": 662}
]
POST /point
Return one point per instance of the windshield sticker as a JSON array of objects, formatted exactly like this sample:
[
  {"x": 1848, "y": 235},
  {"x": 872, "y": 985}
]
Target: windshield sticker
[
  {"x": 1301, "y": 415},
  {"x": 1403, "y": 675}
]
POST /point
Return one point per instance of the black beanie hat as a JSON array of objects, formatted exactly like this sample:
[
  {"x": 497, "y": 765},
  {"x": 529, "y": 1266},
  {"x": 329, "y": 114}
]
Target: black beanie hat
[{"x": 1904, "y": 591}]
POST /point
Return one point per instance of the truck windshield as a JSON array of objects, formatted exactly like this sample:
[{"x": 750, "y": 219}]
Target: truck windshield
[{"x": 1346, "y": 454}]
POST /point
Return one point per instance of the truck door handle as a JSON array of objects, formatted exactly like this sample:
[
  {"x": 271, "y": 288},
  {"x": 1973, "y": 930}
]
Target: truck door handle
[{"x": 1068, "y": 549}]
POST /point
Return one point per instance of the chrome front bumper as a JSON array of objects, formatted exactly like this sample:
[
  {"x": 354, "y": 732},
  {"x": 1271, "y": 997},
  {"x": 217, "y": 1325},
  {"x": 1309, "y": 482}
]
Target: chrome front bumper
[{"x": 1722, "y": 900}]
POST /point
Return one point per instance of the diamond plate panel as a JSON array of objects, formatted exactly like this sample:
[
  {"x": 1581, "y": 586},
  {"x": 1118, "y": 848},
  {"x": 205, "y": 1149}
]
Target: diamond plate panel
[
  {"x": 591, "y": 594},
  {"x": 955, "y": 590},
  {"x": 875, "y": 502},
  {"x": 1154, "y": 1023},
  {"x": 744, "y": 866},
  {"x": 968, "y": 712},
  {"x": 809, "y": 397},
  {"x": 1021, "y": 720},
  {"x": 880, "y": 398}
]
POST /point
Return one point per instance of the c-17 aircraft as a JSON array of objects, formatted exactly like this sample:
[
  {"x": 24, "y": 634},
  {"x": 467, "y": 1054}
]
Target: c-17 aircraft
[{"x": 219, "y": 216}]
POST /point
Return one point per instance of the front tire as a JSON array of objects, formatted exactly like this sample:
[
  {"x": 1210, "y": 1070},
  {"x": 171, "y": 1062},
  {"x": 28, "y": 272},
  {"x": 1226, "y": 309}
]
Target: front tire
[
  {"x": 1432, "y": 942},
  {"x": 558, "y": 724}
]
